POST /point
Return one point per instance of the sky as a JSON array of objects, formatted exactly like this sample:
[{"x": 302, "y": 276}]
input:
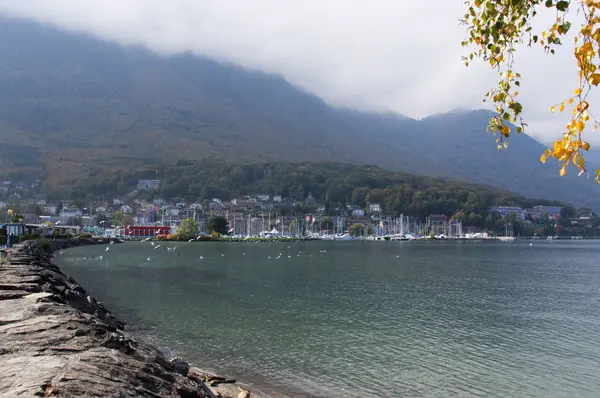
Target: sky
[{"x": 378, "y": 55}]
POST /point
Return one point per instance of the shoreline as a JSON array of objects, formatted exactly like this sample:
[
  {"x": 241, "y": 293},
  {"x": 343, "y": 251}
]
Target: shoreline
[{"x": 56, "y": 340}]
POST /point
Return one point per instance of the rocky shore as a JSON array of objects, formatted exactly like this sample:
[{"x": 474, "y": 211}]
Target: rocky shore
[{"x": 56, "y": 340}]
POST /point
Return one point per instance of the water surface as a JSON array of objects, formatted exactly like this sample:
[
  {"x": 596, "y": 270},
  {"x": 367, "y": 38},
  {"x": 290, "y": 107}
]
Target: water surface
[{"x": 368, "y": 319}]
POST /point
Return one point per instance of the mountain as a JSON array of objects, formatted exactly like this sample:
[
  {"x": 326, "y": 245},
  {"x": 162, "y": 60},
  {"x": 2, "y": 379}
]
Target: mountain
[{"x": 73, "y": 107}]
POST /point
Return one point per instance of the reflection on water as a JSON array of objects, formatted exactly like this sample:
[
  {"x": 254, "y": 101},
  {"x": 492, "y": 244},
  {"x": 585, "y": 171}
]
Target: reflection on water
[{"x": 349, "y": 319}]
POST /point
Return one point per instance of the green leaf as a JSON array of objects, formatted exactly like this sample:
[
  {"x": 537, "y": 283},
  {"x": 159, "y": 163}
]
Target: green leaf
[
  {"x": 516, "y": 107},
  {"x": 548, "y": 3},
  {"x": 564, "y": 27},
  {"x": 561, "y": 5}
]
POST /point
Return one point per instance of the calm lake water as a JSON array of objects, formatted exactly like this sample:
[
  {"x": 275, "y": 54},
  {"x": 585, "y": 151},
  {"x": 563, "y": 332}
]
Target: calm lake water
[{"x": 365, "y": 319}]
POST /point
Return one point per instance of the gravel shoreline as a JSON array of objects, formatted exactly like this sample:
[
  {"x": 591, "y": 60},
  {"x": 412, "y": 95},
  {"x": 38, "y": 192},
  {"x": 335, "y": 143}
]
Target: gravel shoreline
[{"x": 56, "y": 340}]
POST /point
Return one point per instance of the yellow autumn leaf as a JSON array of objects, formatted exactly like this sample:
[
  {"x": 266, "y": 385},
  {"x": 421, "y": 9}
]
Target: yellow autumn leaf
[
  {"x": 585, "y": 146},
  {"x": 552, "y": 109},
  {"x": 563, "y": 171},
  {"x": 594, "y": 79},
  {"x": 580, "y": 126},
  {"x": 562, "y": 107},
  {"x": 577, "y": 91},
  {"x": 570, "y": 100}
]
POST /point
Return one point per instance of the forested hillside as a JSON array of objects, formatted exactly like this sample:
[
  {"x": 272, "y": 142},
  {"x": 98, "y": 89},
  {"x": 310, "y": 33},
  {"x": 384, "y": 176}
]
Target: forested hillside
[{"x": 332, "y": 183}]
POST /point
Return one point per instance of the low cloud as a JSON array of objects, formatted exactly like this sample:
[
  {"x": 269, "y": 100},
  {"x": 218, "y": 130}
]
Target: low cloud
[{"x": 382, "y": 55}]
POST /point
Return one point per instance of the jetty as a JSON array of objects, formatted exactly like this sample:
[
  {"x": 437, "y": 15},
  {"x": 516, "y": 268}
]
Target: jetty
[{"x": 56, "y": 340}]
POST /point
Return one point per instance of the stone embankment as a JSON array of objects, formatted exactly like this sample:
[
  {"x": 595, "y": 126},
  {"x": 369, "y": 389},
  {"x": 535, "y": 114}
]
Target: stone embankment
[{"x": 56, "y": 340}]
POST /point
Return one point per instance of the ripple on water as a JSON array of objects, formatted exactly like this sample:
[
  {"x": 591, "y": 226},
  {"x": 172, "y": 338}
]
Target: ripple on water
[{"x": 359, "y": 319}]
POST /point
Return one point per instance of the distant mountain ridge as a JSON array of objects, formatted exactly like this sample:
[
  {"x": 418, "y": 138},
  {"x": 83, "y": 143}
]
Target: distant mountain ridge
[{"x": 73, "y": 106}]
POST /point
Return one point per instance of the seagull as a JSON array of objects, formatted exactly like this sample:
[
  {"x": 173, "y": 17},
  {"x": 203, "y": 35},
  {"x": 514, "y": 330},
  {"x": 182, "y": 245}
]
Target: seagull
[
  {"x": 156, "y": 247},
  {"x": 107, "y": 248},
  {"x": 191, "y": 240},
  {"x": 148, "y": 259},
  {"x": 201, "y": 257},
  {"x": 100, "y": 257},
  {"x": 152, "y": 243}
]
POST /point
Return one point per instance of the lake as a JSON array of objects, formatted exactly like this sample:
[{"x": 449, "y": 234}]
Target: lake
[{"x": 364, "y": 319}]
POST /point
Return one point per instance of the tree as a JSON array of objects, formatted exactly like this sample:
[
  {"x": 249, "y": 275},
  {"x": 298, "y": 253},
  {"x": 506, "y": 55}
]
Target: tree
[
  {"x": 496, "y": 28},
  {"x": 119, "y": 219},
  {"x": 459, "y": 216},
  {"x": 188, "y": 228},
  {"x": 218, "y": 224},
  {"x": 359, "y": 229}
]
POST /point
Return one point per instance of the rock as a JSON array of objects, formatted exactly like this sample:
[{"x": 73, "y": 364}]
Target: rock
[
  {"x": 180, "y": 366},
  {"x": 244, "y": 394},
  {"x": 56, "y": 342}
]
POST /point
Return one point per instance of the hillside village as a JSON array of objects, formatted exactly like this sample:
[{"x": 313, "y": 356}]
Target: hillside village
[{"x": 262, "y": 213}]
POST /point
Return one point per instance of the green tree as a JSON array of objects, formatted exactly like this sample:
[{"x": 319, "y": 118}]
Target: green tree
[
  {"x": 474, "y": 219},
  {"x": 188, "y": 228},
  {"x": 218, "y": 224},
  {"x": 459, "y": 216},
  {"x": 495, "y": 30},
  {"x": 119, "y": 219},
  {"x": 358, "y": 229}
]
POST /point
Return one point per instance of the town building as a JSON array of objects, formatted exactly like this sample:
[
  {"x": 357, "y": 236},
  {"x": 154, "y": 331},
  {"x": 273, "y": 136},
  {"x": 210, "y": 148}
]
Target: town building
[
  {"x": 504, "y": 211},
  {"x": 374, "y": 208}
]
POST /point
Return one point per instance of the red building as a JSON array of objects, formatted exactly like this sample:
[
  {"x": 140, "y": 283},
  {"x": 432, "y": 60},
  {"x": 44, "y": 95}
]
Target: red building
[{"x": 141, "y": 232}]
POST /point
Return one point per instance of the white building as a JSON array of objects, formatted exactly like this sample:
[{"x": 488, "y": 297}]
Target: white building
[
  {"x": 264, "y": 198},
  {"x": 49, "y": 209},
  {"x": 126, "y": 209},
  {"x": 68, "y": 213},
  {"x": 375, "y": 208},
  {"x": 358, "y": 213}
]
